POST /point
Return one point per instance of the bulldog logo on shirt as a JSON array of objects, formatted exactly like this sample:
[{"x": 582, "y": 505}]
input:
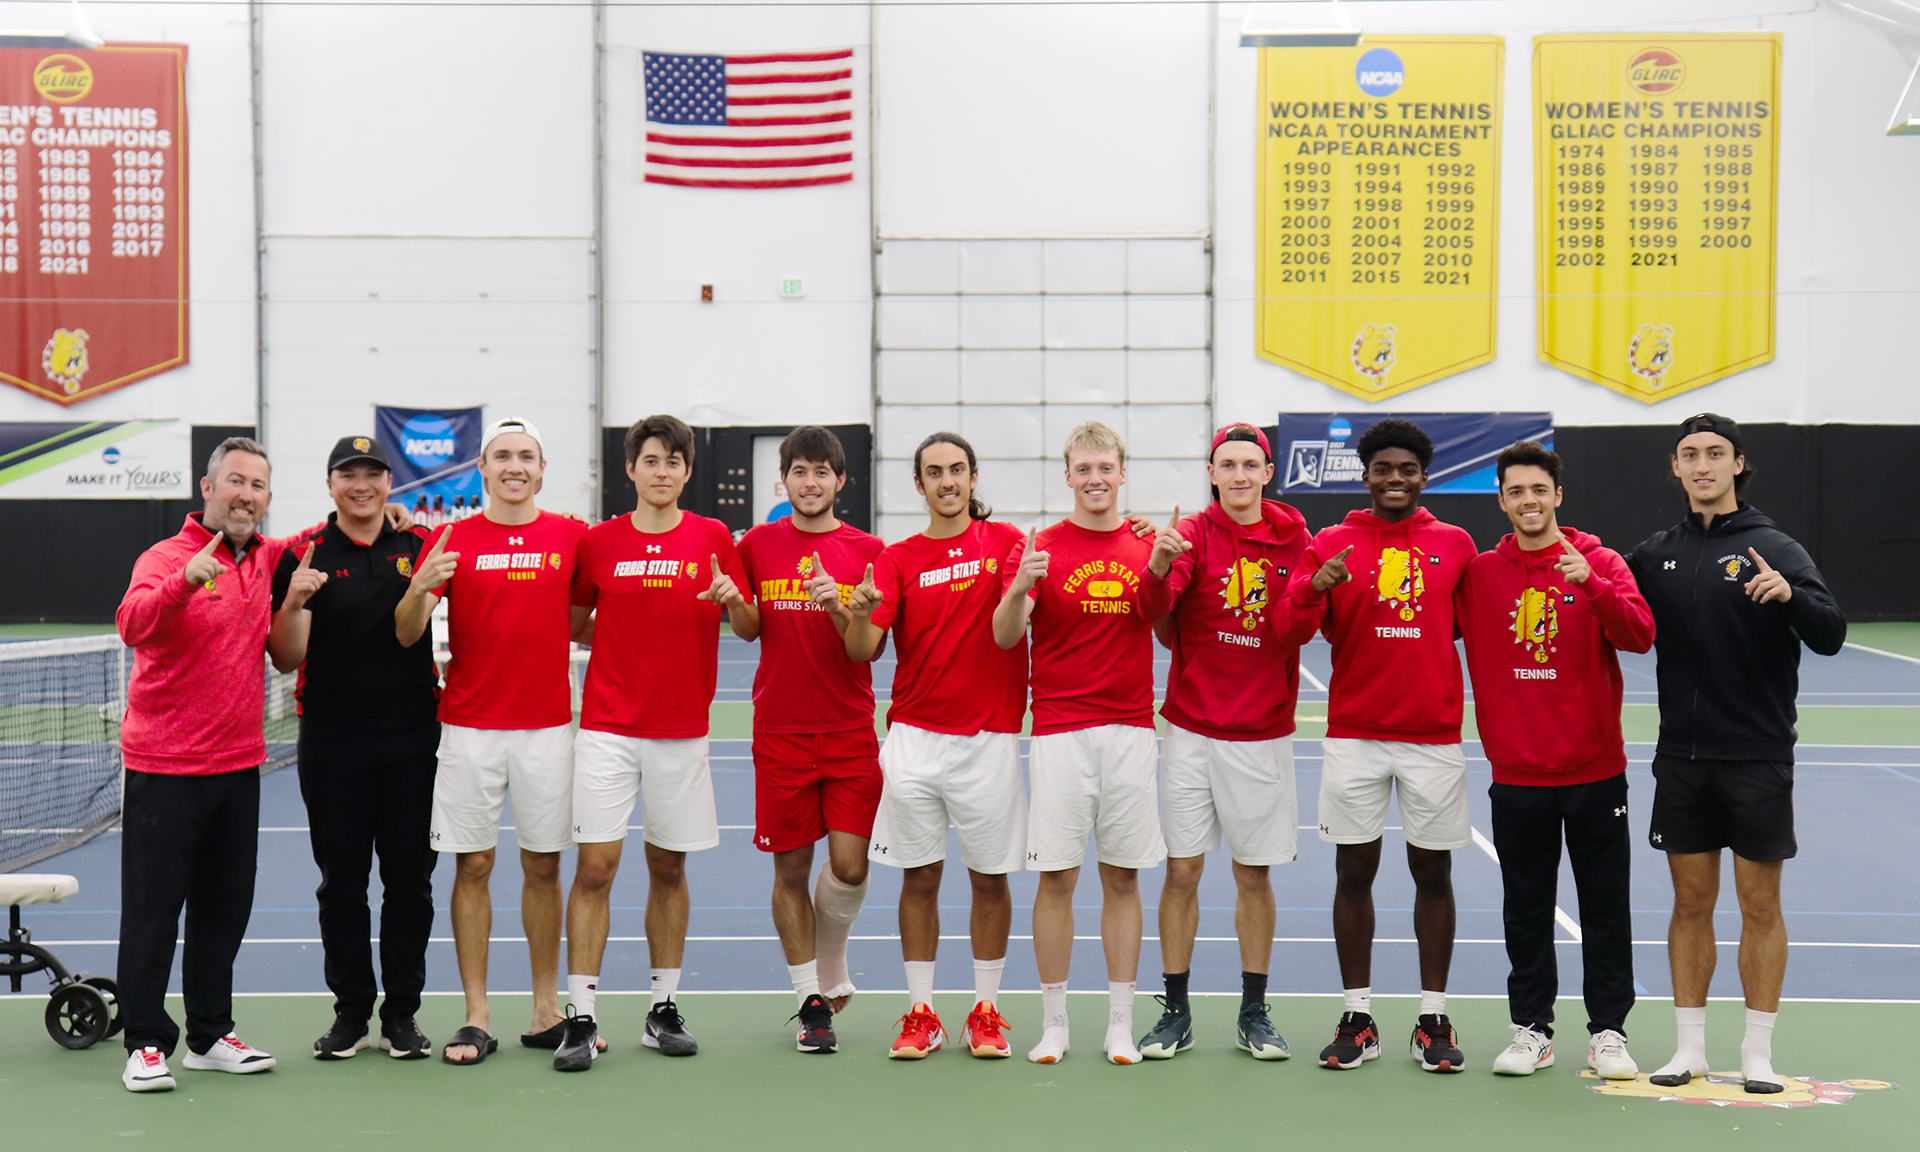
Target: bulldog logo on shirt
[
  {"x": 1536, "y": 621},
  {"x": 693, "y": 570},
  {"x": 806, "y": 567},
  {"x": 403, "y": 565},
  {"x": 553, "y": 561},
  {"x": 1400, "y": 580},
  {"x": 1244, "y": 590}
]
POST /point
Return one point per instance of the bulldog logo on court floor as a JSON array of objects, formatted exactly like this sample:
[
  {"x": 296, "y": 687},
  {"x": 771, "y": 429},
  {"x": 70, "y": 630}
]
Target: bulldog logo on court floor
[
  {"x": 1400, "y": 580},
  {"x": 1728, "y": 1090},
  {"x": 1536, "y": 621}
]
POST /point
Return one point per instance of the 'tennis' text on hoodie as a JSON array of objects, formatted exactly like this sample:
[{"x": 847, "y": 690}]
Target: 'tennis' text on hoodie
[
  {"x": 1236, "y": 671},
  {"x": 1395, "y": 673},
  {"x": 1542, "y": 653}
]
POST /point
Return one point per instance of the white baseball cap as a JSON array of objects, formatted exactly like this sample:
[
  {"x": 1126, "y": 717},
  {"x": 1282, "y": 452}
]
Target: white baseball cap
[{"x": 511, "y": 425}]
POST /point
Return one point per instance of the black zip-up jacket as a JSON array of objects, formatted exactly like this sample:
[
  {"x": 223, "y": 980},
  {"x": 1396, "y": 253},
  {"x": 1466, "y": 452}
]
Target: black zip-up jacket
[{"x": 1729, "y": 668}]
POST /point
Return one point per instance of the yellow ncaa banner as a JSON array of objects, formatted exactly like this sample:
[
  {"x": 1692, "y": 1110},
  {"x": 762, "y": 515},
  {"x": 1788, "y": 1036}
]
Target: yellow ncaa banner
[
  {"x": 1379, "y": 209},
  {"x": 1655, "y": 171}
]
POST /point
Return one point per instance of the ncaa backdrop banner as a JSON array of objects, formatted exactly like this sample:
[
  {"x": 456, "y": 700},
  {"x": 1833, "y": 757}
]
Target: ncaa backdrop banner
[
  {"x": 1379, "y": 190},
  {"x": 1655, "y": 169},
  {"x": 104, "y": 460},
  {"x": 93, "y": 217},
  {"x": 1317, "y": 449},
  {"x": 435, "y": 453}
]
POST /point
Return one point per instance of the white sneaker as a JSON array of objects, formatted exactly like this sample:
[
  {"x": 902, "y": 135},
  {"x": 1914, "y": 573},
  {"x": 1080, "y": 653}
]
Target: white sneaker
[
  {"x": 1530, "y": 1051},
  {"x": 229, "y": 1055},
  {"x": 147, "y": 1071},
  {"x": 1607, "y": 1055}
]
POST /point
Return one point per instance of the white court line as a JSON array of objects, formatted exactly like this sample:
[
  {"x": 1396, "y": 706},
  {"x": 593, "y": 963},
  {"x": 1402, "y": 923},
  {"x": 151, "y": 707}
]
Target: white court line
[
  {"x": 1309, "y": 677},
  {"x": 1882, "y": 652},
  {"x": 1559, "y": 914}
]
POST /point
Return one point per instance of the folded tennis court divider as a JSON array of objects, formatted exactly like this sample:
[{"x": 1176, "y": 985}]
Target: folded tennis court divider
[{"x": 61, "y": 702}]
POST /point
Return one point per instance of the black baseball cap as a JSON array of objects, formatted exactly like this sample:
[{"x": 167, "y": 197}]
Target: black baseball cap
[
  {"x": 1710, "y": 422},
  {"x": 351, "y": 449}
]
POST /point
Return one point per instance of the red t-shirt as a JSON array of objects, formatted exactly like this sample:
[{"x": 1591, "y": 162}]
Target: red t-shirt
[
  {"x": 939, "y": 597},
  {"x": 1092, "y": 628},
  {"x": 508, "y": 625},
  {"x": 805, "y": 683},
  {"x": 656, "y": 646}
]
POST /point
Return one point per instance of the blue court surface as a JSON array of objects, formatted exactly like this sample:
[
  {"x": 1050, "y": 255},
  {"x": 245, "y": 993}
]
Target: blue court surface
[{"x": 1852, "y": 896}]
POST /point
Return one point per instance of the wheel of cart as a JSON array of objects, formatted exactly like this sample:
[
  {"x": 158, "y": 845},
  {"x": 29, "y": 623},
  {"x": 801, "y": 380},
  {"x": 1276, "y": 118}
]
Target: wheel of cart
[{"x": 82, "y": 1010}]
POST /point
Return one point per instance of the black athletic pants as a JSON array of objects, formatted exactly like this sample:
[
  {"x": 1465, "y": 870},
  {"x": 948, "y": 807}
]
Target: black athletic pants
[
  {"x": 369, "y": 787},
  {"x": 1528, "y": 823},
  {"x": 186, "y": 841}
]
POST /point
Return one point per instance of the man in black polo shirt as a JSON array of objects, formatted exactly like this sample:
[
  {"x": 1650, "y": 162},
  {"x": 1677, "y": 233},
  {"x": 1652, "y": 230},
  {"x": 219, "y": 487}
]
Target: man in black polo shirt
[{"x": 368, "y": 738}]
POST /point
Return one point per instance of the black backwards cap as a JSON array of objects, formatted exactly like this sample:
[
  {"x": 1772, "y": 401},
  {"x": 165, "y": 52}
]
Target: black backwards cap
[{"x": 1711, "y": 422}]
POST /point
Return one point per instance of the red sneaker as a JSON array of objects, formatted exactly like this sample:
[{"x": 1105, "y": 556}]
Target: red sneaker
[
  {"x": 920, "y": 1035},
  {"x": 985, "y": 1031}
]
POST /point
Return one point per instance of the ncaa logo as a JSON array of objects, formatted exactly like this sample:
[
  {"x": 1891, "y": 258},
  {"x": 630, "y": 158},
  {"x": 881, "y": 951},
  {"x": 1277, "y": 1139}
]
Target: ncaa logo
[
  {"x": 1379, "y": 72},
  {"x": 427, "y": 440}
]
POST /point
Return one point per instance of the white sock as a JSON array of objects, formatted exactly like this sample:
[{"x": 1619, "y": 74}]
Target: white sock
[
  {"x": 806, "y": 979},
  {"x": 1690, "y": 1052},
  {"x": 580, "y": 993},
  {"x": 1432, "y": 1003},
  {"x": 986, "y": 979},
  {"x": 1053, "y": 1024},
  {"x": 1119, "y": 1045},
  {"x": 835, "y": 906},
  {"x": 1756, "y": 1051},
  {"x": 1360, "y": 1000},
  {"x": 665, "y": 982},
  {"x": 920, "y": 982}
]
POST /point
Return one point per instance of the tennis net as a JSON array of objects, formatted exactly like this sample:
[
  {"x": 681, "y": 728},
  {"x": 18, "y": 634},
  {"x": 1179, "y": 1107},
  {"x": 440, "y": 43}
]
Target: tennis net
[{"x": 60, "y": 770}]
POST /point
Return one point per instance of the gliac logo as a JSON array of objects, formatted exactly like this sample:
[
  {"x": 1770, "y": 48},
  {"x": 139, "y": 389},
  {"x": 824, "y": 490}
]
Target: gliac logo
[
  {"x": 1650, "y": 354},
  {"x": 1536, "y": 621},
  {"x": 1373, "y": 353},
  {"x": 1244, "y": 590},
  {"x": 65, "y": 358},
  {"x": 1379, "y": 72},
  {"x": 63, "y": 78},
  {"x": 1401, "y": 581},
  {"x": 1656, "y": 70}
]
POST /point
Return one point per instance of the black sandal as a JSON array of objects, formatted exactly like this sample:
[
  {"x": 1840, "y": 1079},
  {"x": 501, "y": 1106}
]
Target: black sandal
[
  {"x": 470, "y": 1037},
  {"x": 549, "y": 1039}
]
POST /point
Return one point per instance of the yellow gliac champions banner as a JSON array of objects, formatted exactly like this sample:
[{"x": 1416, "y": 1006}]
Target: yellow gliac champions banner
[
  {"x": 1379, "y": 208},
  {"x": 1655, "y": 168}
]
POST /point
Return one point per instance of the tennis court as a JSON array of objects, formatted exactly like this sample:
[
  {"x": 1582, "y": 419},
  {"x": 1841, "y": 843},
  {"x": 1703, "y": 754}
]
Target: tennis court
[{"x": 1853, "y": 913}]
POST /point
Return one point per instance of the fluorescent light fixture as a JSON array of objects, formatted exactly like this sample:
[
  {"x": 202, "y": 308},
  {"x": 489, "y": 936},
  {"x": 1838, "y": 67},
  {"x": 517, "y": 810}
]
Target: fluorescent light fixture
[
  {"x": 1906, "y": 114},
  {"x": 1342, "y": 35}
]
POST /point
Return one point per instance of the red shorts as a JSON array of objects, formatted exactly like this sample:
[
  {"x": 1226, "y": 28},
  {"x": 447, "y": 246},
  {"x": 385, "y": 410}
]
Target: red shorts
[{"x": 804, "y": 785}]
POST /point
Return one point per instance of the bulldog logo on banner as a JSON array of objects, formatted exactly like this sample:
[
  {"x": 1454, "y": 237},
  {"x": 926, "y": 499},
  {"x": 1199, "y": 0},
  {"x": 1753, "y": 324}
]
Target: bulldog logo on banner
[{"x": 93, "y": 217}]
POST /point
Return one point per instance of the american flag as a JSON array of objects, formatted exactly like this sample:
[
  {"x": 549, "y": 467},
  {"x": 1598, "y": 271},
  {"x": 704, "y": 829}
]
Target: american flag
[{"x": 765, "y": 120}]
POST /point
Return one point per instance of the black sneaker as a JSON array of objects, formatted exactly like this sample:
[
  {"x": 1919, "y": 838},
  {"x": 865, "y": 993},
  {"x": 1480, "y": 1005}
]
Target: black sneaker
[
  {"x": 403, "y": 1040},
  {"x": 1355, "y": 1040},
  {"x": 578, "y": 1045},
  {"x": 668, "y": 1032},
  {"x": 816, "y": 1026},
  {"x": 1171, "y": 1036},
  {"x": 1436, "y": 1046},
  {"x": 1257, "y": 1035},
  {"x": 346, "y": 1037}
]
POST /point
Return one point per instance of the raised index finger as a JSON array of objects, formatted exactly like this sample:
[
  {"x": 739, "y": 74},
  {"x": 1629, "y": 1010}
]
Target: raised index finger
[
  {"x": 1566, "y": 546},
  {"x": 306, "y": 557},
  {"x": 1344, "y": 551},
  {"x": 1175, "y": 522},
  {"x": 713, "y": 564},
  {"x": 209, "y": 546},
  {"x": 1760, "y": 560}
]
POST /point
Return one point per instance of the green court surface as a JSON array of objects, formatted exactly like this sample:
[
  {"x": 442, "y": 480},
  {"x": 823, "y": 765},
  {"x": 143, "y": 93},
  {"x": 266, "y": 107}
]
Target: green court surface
[{"x": 749, "y": 1089}]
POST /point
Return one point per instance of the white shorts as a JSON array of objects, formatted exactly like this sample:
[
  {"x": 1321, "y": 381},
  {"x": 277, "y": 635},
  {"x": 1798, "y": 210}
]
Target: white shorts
[
  {"x": 1242, "y": 788},
  {"x": 1094, "y": 781},
  {"x": 478, "y": 765},
  {"x": 1432, "y": 781},
  {"x": 931, "y": 779},
  {"x": 670, "y": 778}
]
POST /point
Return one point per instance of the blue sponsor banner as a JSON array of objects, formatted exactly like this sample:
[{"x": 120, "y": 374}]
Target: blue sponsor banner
[
  {"x": 435, "y": 454},
  {"x": 1318, "y": 447}
]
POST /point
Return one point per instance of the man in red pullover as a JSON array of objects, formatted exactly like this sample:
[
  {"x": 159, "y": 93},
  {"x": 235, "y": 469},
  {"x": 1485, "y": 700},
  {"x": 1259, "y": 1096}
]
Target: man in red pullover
[
  {"x": 1393, "y": 724},
  {"x": 1542, "y": 615},
  {"x": 196, "y": 614},
  {"x": 1226, "y": 762}
]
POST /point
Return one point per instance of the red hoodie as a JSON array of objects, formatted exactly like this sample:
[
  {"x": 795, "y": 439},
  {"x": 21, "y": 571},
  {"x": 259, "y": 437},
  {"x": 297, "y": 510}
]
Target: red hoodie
[
  {"x": 1236, "y": 673},
  {"x": 196, "y": 702},
  {"x": 1546, "y": 681},
  {"x": 1395, "y": 673}
]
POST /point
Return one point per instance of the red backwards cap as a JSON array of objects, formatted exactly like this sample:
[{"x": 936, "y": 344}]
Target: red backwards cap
[{"x": 1259, "y": 438}]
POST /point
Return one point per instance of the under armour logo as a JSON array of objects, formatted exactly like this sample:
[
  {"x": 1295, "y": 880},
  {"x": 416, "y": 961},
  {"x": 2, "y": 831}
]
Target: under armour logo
[
  {"x": 653, "y": 547},
  {"x": 1670, "y": 565},
  {"x": 765, "y": 840},
  {"x": 880, "y": 848},
  {"x": 1620, "y": 811},
  {"x": 955, "y": 551},
  {"x": 1656, "y": 837},
  {"x": 516, "y": 540}
]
